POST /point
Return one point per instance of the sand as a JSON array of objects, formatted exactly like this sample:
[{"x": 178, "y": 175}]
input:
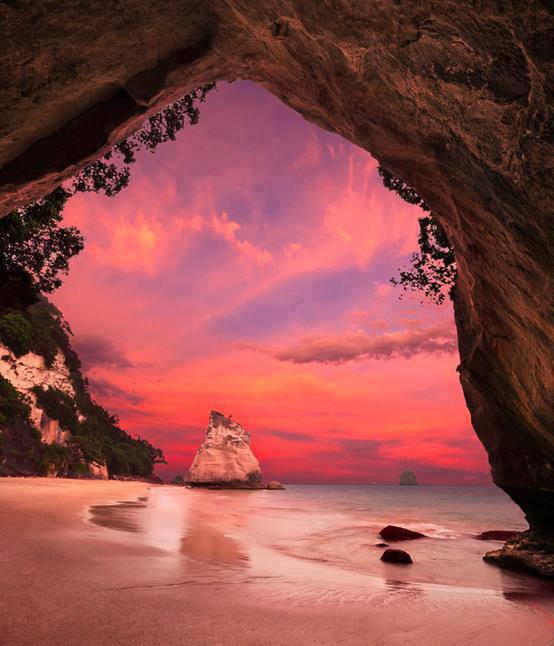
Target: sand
[{"x": 136, "y": 578}]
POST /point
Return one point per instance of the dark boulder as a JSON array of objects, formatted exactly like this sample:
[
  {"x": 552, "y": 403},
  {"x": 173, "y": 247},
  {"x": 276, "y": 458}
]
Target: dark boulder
[
  {"x": 381, "y": 544},
  {"x": 394, "y": 533},
  {"x": 396, "y": 556}
]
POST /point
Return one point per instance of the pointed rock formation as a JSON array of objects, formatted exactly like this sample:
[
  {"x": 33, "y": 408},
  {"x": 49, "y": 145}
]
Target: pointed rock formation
[
  {"x": 408, "y": 478},
  {"x": 225, "y": 457}
]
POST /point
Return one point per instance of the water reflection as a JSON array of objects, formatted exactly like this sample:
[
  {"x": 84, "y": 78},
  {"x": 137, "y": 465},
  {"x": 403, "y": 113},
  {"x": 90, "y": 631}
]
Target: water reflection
[
  {"x": 180, "y": 525},
  {"x": 122, "y": 516}
]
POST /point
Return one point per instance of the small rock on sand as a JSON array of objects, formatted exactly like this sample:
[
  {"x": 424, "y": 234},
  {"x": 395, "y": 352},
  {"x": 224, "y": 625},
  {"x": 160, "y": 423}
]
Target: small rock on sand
[{"x": 396, "y": 556}]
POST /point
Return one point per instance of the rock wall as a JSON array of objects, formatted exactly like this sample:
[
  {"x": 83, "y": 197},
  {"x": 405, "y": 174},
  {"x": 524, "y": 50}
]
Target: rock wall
[
  {"x": 225, "y": 456},
  {"x": 24, "y": 373},
  {"x": 28, "y": 371},
  {"x": 454, "y": 97}
]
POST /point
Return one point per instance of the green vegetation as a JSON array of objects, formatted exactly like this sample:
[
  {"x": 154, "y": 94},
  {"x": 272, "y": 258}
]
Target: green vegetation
[
  {"x": 97, "y": 437},
  {"x": 433, "y": 270},
  {"x": 13, "y": 406},
  {"x": 58, "y": 405},
  {"x": 33, "y": 242},
  {"x": 111, "y": 173},
  {"x": 16, "y": 333}
]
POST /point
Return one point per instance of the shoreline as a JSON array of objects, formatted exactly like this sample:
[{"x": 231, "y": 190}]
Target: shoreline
[{"x": 66, "y": 579}]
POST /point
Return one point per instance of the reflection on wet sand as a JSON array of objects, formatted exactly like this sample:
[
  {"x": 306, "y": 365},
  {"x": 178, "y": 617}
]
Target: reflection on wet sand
[
  {"x": 206, "y": 543},
  {"x": 178, "y": 525},
  {"x": 123, "y": 516}
]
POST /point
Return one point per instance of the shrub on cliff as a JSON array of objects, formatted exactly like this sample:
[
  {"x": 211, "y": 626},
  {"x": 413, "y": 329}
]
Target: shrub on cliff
[
  {"x": 16, "y": 333},
  {"x": 59, "y": 406},
  {"x": 13, "y": 406},
  {"x": 111, "y": 173},
  {"x": 32, "y": 241},
  {"x": 433, "y": 270}
]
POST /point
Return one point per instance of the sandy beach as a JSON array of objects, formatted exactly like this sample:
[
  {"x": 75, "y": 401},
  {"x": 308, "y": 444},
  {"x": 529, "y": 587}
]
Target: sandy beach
[{"x": 170, "y": 565}]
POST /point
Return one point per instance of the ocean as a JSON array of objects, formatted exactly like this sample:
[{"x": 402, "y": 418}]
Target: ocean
[{"x": 308, "y": 556}]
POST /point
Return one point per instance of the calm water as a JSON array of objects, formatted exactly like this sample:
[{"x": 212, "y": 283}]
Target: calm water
[
  {"x": 335, "y": 527},
  {"x": 312, "y": 549}
]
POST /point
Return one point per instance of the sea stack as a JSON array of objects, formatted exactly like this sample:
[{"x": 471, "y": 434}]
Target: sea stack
[
  {"x": 225, "y": 458},
  {"x": 408, "y": 478}
]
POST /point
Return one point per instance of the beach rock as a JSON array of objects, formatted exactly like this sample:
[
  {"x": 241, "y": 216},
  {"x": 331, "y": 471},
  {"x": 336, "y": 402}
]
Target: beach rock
[
  {"x": 274, "y": 484},
  {"x": 396, "y": 556},
  {"x": 381, "y": 544},
  {"x": 497, "y": 535},
  {"x": 225, "y": 457},
  {"x": 408, "y": 478},
  {"x": 531, "y": 551},
  {"x": 393, "y": 533},
  {"x": 98, "y": 471}
]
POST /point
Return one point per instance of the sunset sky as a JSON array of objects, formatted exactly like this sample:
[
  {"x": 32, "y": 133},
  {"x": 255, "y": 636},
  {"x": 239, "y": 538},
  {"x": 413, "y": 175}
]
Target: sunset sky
[{"x": 246, "y": 269}]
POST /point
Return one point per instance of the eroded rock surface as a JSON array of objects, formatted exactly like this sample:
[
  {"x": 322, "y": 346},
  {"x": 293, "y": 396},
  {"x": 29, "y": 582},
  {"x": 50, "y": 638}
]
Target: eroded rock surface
[
  {"x": 225, "y": 457},
  {"x": 455, "y": 98},
  {"x": 532, "y": 551}
]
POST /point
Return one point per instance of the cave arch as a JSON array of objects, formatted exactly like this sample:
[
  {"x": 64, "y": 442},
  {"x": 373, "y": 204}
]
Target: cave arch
[{"x": 453, "y": 97}]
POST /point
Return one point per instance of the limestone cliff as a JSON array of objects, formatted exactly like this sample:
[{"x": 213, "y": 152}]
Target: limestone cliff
[
  {"x": 49, "y": 424},
  {"x": 225, "y": 456},
  {"x": 28, "y": 374}
]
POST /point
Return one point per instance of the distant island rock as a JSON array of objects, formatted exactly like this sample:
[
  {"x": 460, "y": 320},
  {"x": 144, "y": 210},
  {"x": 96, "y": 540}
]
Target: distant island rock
[
  {"x": 274, "y": 485},
  {"x": 225, "y": 458},
  {"x": 408, "y": 478}
]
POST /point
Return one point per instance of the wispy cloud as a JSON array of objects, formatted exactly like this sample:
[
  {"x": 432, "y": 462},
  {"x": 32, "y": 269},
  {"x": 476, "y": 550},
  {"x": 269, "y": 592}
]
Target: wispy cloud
[
  {"x": 357, "y": 345},
  {"x": 106, "y": 390},
  {"x": 99, "y": 351}
]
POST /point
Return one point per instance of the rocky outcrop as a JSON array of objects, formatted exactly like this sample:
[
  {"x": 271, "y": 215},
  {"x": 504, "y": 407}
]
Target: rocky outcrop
[
  {"x": 396, "y": 556},
  {"x": 225, "y": 457},
  {"x": 455, "y": 98},
  {"x": 497, "y": 535},
  {"x": 274, "y": 485},
  {"x": 532, "y": 551},
  {"x": 408, "y": 478},
  {"x": 393, "y": 533}
]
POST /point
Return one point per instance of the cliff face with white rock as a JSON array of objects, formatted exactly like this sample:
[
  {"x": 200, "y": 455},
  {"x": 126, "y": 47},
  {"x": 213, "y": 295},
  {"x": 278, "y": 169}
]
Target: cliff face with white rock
[
  {"x": 225, "y": 457},
  {"x": 49, "y": 423},
  {"x": 29, "y": 371}
]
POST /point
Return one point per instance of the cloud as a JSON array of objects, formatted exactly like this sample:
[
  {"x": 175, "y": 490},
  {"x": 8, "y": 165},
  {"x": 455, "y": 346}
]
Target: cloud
[
  {"x": 96, "y": 350},
  {"x": 106, "y": 389},
  {"x": 291, "y": 436},
  {"x": 340, "y": 348}
]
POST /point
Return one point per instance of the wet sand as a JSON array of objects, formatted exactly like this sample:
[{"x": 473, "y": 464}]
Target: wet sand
[{"x": 84, "y": 562}]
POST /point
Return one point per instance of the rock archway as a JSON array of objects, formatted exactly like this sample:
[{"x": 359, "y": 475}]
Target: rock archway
[{"x": 454, "y": 97}]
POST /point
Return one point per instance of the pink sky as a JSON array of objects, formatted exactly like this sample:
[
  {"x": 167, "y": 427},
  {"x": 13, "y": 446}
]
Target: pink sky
[{"x": 246, "y": 269}]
